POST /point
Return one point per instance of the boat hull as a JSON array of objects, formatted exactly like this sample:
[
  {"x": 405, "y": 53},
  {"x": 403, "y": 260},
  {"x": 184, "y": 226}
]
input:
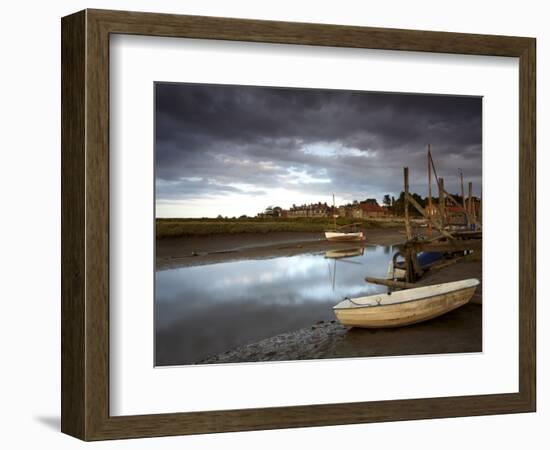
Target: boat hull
[
  {"x": 406, "y": 312},
  {"x": 337, "y": 236}
]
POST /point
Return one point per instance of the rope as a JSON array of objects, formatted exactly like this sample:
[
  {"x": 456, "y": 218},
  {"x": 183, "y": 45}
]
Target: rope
[{"x": 378, "y": 302}]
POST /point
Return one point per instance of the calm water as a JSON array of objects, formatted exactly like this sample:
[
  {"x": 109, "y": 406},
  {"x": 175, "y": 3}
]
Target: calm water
[{"x": 206, "y": 310}]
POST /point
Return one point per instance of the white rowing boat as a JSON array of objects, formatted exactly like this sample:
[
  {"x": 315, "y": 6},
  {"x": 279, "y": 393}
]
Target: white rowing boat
[
  {"x": 344, "y": 236},
  {"x": 344, "y": 232},
  {"x": 405, "y": 307}
]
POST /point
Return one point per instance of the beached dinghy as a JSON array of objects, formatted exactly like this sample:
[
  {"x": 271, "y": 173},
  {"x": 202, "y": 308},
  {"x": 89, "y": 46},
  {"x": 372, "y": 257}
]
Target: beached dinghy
[{"x": 405, "y": 307}]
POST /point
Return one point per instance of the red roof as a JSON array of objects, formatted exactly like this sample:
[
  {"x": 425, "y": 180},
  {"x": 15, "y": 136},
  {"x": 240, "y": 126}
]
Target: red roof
[
  {"x": 369, "y": 207},
  {"x": 455, "y": 209}
]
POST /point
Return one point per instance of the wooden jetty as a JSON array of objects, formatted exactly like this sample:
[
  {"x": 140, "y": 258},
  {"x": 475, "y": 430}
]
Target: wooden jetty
[{"x": 446, "y": 240}]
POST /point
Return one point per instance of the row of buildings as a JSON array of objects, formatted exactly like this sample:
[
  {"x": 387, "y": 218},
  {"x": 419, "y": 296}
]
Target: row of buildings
[
  {"x": 370, "y": 208},
  {"x": 359, "y": 210}
]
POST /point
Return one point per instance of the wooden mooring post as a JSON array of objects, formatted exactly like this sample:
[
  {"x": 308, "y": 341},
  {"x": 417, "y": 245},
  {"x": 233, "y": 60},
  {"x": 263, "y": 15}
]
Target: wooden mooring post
[
  {"x": 408, "y": 228},
  {"x": 441, "y": 187},
  {"x": 470, "y": 204},
  {"x": 430, "y": 210},
  {"x": 463, "y": 198},
  {"x": 411, "y": 263},
  {"x": 480, "y": 211}
]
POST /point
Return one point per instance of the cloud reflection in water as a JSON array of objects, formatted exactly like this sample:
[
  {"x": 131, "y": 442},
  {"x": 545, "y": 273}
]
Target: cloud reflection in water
[{"x": 206, "y": 310}]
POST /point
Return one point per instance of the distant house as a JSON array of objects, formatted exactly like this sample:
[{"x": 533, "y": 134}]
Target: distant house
[
  {"x": 365, "y": 209},
  {"x": 370, "y": 209},
  {"x": 454, "y": 214},
  {"x": 312, "y": 210},
  {"x": 345, "y": 211}
]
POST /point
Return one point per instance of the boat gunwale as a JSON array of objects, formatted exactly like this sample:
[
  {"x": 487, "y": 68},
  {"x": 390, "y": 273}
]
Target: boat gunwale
[
  {"x": 344, "y": 232},
  {"x": 335, "y": 307}
]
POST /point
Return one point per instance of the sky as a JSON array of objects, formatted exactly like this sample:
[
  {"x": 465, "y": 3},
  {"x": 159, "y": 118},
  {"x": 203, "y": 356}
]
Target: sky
[{"x": 235, "y": 150}]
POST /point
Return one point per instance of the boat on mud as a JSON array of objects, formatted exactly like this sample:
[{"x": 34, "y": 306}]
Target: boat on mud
[
  {"x": 341, "y": 235},
  {"x": 349, "y": 232},
  {"x": 405, "y": 307}
]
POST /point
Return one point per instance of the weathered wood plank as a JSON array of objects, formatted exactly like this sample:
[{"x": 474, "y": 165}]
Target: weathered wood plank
[
  {"x": 390, "y": 283},
  {"x": 445, "y": 246},
  {"x": 73, "y": 225}
]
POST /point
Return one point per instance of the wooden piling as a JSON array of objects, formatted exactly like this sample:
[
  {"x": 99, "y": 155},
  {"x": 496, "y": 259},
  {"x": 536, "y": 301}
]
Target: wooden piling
[
  {"x": 441, "y": 187},
  {"x": 430, "y": 210},
  {"x": 480, "y": 212},
  {"x": 409, "y": 255},
  {"x": 463, "y": 198},
  {"x": 470, "y": 205},
  {"x": 406, "y": 188}
]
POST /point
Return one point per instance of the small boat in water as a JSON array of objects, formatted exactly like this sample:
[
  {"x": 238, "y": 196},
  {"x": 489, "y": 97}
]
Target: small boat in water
[{"x": 405, "y": 307}]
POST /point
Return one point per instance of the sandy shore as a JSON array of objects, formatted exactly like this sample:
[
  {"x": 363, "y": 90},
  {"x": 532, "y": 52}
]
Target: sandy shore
[{"x": 201, "y": 250}]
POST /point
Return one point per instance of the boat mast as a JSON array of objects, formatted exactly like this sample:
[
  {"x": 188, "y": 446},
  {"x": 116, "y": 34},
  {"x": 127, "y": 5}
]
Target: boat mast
[
  {"x": 334, "y": 211},
  {"x": 463, "y": 198}
]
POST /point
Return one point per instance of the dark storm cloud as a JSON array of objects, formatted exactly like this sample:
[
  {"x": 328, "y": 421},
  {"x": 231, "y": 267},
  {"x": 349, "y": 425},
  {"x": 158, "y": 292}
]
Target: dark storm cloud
[{"x": 209, "y": 139}]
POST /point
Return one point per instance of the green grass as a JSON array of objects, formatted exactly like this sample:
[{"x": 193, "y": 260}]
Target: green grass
[{"x": 167, "y": 228}]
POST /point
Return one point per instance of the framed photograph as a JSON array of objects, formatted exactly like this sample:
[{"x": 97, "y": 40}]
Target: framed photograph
[{"x": 272, "y": 225}]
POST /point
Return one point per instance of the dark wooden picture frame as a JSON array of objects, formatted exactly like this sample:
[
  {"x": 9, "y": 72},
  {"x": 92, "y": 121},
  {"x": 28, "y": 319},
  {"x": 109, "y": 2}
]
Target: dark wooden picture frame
[{"x": 85, "y": 224}]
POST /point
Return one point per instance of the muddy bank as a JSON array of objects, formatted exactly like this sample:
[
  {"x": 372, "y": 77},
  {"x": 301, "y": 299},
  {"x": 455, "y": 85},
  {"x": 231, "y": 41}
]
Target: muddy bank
[
  {"x": 201, "y": 250},
  {"x": 468, "y": 268},
  {"x": 456, "y": 332}
]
